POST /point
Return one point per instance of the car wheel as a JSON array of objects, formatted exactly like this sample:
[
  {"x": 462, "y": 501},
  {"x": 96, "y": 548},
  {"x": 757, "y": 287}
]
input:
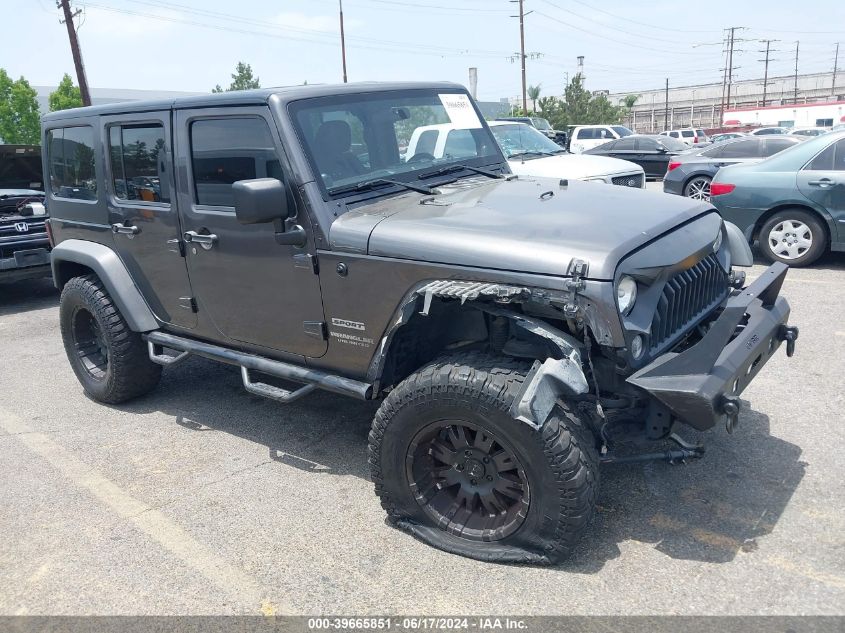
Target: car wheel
[
  {"x": 109, "y": 359},
  {"x": 794, "y": 237},
  {"x": 455, "y": 470},
  {"x": 698, "y": 188}
]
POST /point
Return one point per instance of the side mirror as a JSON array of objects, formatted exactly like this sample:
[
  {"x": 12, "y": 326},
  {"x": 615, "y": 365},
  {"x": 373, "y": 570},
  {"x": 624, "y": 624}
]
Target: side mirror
[{"x": 260, "y": 200}]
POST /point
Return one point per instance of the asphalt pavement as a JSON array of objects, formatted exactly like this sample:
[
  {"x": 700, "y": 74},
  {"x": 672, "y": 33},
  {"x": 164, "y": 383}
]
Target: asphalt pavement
[{"x": 202, "y": 499}]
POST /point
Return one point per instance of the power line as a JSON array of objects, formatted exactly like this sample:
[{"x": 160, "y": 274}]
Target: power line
[
  {"x": 795, "y": 99},
  {"x": 628, "y": 18}
]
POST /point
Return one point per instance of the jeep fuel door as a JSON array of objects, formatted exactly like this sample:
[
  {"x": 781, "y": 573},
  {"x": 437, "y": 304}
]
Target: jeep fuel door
[
  {"x": 142, "y": 211},
  {"x": 248, "y": 287}
]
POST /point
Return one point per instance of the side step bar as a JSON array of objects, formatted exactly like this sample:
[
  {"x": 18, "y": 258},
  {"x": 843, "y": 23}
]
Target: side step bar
[{"x": 311, "y": 379}]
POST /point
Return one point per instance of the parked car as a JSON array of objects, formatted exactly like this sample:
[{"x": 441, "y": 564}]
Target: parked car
[
  {"x": 651, "y": 152},
  {"x": 690, "y": 174},
  {"x": 767, "y": 131},
  {"x": 584, "y": 137},
  {"x": 690, "y": 136},
  {"x": 793, "y": 202},
  {"x": 510, "y": 327},
  {"x": 24, "y": 247},
  {"x": 541, "y": 125},
  {"x": 725, "y": 136},
  {"x": 529, "y": 153},
  {"x": 809, "y": 131}
]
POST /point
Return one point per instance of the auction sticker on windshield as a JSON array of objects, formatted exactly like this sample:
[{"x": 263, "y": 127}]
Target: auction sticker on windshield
[{"x": 460, "y": 111}]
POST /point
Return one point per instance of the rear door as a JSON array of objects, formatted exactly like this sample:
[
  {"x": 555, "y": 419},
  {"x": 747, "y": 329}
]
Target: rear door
[
  {"x": 651, "y": 157},
  {"x": 822, "y": 180},
  {"x": 248, "y": 288},
  {"x": 143, "y": 211}
]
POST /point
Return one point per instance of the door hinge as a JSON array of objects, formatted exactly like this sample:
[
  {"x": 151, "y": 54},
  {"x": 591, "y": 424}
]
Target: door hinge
[
  {"x": 189, "y": 303},
  {"x": 306, "y": 261},
  {"x": 316, "y": 329}
]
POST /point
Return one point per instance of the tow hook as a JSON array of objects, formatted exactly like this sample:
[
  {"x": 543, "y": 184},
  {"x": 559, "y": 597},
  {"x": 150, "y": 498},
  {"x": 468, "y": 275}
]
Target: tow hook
[
  {"x": 737, "y": 279},
  {"x": 788, "y": 333},
  {"x": 730, "y": 407}
]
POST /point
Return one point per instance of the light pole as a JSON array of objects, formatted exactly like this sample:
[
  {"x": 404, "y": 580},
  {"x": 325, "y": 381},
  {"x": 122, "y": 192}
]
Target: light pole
[{"x": 342, "y": 40}]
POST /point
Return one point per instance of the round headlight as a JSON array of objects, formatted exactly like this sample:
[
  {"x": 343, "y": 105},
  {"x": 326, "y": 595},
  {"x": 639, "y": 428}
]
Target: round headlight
[
  {"x": 718, "y": 243},
  {"x": 626, "y": 294}
]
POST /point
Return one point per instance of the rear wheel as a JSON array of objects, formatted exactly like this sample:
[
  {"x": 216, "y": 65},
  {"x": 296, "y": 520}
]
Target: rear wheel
[
  {"x": 698, "y": 188},
  {"x": 109, "y": 359},
  {"x": 453, "y": 468},
  {"x": 794, "y": 237}
]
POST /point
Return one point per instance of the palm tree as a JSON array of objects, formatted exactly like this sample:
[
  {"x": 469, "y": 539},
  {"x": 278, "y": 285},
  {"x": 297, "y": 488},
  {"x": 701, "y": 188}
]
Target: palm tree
[
  {"x": 630, "y": 100},
  {"x": 534, "y": 94}
]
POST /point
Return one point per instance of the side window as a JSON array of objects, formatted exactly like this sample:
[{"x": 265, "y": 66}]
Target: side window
[
  {"x": 606, "y": 133},
  {"x": 831, "y": 159},
  {"x": 646, "y": 145},
  {"x": 224, "y": 151},
  {"x": 460, "y": 144},
  {"x": 749, "y": 148},
  {"x": 70, "y": 156},
  {"x": 138, "y": 157},
  {"x": 687, "y": 133},
  {"x": 772, "y": 146},
  {"x": 625, "y": 143},
  {"x": 586, "y": 134},
  {"x": 714, "y": 152},
  {"x": 673, "y": 134}
]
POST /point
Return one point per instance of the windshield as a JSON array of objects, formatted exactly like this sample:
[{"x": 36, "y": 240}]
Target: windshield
[
  {"x": 356, "y": 138},
  {"x": 518, "y": 138},
  {"x": 541, "y": 124},
  {"x": 621, "y": 130}
]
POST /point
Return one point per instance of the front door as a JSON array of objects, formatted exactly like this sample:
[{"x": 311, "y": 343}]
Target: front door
[
  {"x": 143, "y": 212},
  {"x": 248, "y": 288},
  {"x": 823, "y": 181}
]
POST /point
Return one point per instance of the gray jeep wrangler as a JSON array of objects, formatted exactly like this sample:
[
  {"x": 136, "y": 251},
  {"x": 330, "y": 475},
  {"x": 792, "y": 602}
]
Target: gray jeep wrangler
[{"x": 515, "y": 330}]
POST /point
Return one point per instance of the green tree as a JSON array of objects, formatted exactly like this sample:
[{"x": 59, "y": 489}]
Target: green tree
[
  {"x": 65, "y": 96},
  {"x": 629, "y": 100},
  {"x": 600, "y": 110},
  {"x": 577, "y": 102},
  {"x": 19, "y": 114},
  {"x": 242, "y": 79},
  {"x": 534, "y": 94}
]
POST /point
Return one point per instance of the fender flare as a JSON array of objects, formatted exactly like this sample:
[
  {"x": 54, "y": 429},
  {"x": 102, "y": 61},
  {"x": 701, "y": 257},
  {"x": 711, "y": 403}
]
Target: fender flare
[
  {"x": 740, "y": 249},
  {"x": 106, "y": 264}
]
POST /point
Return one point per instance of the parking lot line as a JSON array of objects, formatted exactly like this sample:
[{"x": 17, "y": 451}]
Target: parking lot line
[{"x": 152, "y": 522}]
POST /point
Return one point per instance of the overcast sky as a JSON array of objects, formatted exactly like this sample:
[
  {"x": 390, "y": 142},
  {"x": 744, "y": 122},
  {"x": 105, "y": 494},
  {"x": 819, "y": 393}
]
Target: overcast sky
[{"x": 628, "y": 46}]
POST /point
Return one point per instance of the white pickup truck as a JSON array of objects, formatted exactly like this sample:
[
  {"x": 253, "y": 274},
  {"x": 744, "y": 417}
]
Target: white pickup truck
[{"x": 529, "y": 153}]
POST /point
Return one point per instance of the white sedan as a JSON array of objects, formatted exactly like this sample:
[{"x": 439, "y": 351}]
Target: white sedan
[{"x": 529, "y": 153}]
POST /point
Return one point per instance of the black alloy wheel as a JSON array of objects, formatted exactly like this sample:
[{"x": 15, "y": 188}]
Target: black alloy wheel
[{"x": 467, "y": 480}]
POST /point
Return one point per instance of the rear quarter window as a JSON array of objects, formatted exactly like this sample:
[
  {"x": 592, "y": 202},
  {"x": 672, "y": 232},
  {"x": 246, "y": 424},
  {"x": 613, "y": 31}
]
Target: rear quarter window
[{"x": 70, "y": 158}]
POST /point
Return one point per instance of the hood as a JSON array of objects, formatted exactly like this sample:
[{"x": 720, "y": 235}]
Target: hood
[
  {"x": 515, "y": 225},
  {"x": 578, "y": 166}
]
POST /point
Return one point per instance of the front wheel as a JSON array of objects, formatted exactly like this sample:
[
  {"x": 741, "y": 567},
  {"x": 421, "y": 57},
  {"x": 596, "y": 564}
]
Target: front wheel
[
  {"x": 698, "y": 188},
  {"x": 453, "y": 468},
  {"x": 109, "y": 359},
  {"x": 794, "y": 237}
]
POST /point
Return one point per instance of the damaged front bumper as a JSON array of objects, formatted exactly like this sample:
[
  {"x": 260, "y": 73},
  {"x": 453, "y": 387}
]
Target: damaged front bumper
[{"x": 700, "y": 386}]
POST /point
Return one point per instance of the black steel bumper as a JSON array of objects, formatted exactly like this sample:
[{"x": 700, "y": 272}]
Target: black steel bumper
[{"x": 700, "y": 386}]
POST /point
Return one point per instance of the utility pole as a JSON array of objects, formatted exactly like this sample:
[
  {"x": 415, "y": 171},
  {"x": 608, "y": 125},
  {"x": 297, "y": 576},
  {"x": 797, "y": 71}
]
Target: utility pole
[
  {"x": 795, "y": 89},
  {"x": 666, "y": 108},
  {"x": 74, "y": 49},
  {"x": 342, "y": 40},
  {"x": 730, "y": 64},
  {"x": 766, "y": 68},
  {"x": 522, "y": 52},
  {"x": 835, "y": 65}
]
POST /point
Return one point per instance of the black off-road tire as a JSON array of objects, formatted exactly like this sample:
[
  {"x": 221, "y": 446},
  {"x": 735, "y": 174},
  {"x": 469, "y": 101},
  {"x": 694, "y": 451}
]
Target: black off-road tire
[
  {"x": 109, "y": 359},
  {"x": 559, "y": 462},
  {"x": 806, "y": 223}
]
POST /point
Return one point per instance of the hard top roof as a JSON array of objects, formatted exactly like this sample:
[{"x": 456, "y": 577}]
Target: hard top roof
[{"x": 249, "y": 97}]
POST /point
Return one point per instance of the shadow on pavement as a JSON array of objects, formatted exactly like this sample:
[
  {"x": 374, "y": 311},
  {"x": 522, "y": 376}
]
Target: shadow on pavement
[
  {"x": 30, "y": 294},
  {"x": 708, "y": 510}
]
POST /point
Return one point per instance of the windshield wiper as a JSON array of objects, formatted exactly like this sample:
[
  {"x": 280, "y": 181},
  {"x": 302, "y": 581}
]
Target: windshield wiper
[
  {"x": 531, "y": 153},
  {"x": 452, "y": 168},
  {"x": 378, "y": 182}
]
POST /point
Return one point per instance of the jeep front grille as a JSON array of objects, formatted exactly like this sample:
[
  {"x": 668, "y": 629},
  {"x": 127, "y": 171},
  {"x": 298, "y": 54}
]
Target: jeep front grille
[
  {"x": 634, "y": 180},
  {"x": 688, "y": 297}
]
